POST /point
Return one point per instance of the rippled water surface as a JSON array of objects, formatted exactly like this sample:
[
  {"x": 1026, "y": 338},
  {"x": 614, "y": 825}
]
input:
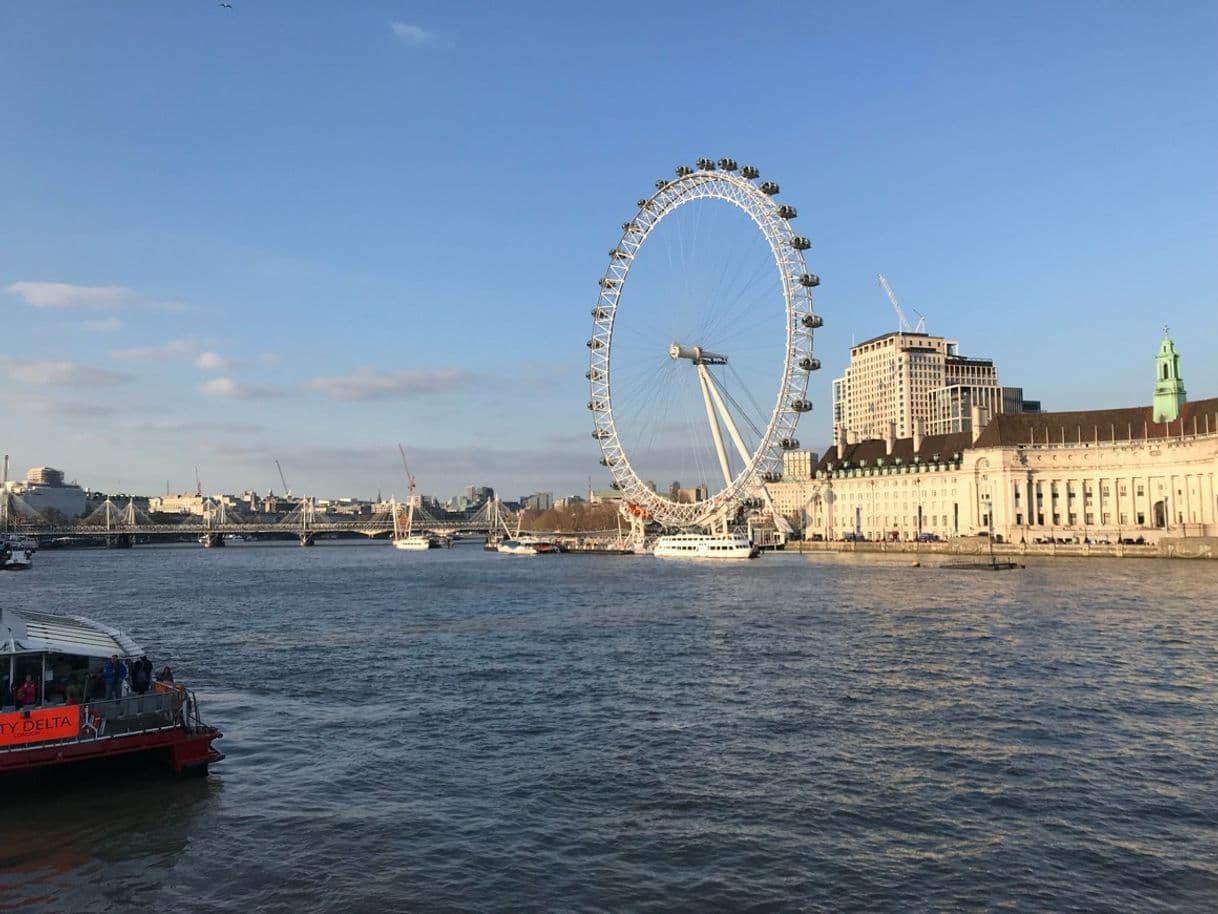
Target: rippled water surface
[{"x": 462, "y": 731}]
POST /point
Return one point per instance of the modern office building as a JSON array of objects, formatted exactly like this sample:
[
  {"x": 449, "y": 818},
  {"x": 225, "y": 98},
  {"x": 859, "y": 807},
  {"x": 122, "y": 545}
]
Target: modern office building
[{"x": 905, "y": 377}]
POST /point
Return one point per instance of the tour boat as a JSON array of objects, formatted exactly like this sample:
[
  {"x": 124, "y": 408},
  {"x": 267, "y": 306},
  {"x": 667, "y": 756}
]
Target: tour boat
[
  {"x": 68, "y": 721},
  {"x": 704, "y": 546}
]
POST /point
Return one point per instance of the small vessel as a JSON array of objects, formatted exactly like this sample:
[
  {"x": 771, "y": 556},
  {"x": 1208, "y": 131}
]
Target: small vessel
[
  {"x": 991, "y": 565},
  {"x": 12, "y": 559},
  {"x": 705, "y": 546},
  {"x": 404, "y": 536},
  {"x": 58, "y": 662},
  {"x": 16, "y": 551},
  {"x": 516, "y": 547}
]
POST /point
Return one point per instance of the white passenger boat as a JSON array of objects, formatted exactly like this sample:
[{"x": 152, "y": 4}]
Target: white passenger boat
[
  {"x": 413, "y": 542},
  {"x": 704, "y": 546},
  {"x": 404, "y": 536}
]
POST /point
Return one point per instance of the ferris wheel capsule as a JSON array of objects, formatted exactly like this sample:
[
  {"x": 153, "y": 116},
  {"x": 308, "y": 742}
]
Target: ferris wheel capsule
[
  {"x": 809, "y": 280},
  {"x": 683, "y": 171},
  {"x": 706, "y": 164},
  {"x": 787, "y": 212},
  {"x": 800, "y": 243},
  {"x": 768, "y": 187},
  {"x": 748, "y": 171},
  {"x": 812, "y": 321},
  {"x": 727, "y": 164}
]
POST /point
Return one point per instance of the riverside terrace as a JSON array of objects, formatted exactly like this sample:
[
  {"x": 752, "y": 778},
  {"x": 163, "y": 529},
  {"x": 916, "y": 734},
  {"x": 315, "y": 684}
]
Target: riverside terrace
[{"x": 118, "y": 524}]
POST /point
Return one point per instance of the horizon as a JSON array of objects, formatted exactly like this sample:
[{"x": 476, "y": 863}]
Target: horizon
[{"x": 281, "y": 232}]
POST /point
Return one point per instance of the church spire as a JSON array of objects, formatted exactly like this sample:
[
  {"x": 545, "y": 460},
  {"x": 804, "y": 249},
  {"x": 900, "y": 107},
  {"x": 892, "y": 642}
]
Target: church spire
[{"x": 1169, "y": 388}]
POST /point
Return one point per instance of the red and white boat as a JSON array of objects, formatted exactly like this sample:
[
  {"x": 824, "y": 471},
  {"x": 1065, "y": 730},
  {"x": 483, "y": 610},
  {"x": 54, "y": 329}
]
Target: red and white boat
[{"x": 67, "y": 719}]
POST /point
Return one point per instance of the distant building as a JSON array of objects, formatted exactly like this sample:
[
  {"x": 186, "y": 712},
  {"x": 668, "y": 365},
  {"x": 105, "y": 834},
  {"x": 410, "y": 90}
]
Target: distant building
[
  {"x": 476, "y": 495},
  {"x": 798, "y": 464},
  {"x": 539, "y": 501},
  {"x": 45, "y": 492}
]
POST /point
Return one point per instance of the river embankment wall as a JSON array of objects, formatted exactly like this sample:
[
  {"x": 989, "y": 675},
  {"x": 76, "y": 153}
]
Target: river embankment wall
[{"x": 1192, "y": 547}]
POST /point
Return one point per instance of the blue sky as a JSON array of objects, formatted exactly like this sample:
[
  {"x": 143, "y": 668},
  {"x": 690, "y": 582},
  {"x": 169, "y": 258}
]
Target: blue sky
[{"x": 308, "y": 231}]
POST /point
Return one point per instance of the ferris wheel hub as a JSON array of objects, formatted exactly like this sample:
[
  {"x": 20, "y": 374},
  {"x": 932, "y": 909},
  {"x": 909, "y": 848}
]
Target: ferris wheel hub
[{"x": 696, "y": 354}]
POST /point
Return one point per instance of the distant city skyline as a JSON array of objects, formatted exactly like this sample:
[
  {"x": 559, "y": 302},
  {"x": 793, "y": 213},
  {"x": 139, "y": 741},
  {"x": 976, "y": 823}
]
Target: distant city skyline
[{"x": 305, "y": 233}]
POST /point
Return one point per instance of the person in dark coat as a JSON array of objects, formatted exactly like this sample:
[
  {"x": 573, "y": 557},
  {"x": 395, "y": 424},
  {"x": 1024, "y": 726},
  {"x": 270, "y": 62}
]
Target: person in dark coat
[
  {"x": 141, "y": 675},
  {"x": 113, "y": 674}
]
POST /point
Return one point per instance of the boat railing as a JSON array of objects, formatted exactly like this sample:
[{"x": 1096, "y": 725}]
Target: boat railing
[{"x": 164, "y": 706}]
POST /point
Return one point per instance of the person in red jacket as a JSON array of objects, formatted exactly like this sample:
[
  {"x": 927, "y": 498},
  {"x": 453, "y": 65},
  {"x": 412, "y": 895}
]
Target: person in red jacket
[{"x": 27, "y": 692}]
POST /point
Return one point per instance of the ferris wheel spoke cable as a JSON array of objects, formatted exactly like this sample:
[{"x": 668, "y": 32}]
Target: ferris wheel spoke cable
[{"x": 740, "y": 410}]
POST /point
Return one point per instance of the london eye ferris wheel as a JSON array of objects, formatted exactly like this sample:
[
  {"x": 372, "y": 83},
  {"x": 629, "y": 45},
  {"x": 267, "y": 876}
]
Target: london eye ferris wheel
[{"x": 698, "y": 368}]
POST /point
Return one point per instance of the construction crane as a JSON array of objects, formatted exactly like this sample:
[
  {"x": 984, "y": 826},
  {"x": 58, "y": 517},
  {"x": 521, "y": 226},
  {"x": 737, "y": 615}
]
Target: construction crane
[
  {"x": 286, "y": 491},
  {"x": 409, "y": 478},
  {"x": 902, "y": 320}
]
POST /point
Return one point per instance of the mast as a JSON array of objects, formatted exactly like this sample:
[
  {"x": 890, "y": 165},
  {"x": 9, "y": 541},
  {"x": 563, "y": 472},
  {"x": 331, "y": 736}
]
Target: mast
[{"x": 409, "y": 493}]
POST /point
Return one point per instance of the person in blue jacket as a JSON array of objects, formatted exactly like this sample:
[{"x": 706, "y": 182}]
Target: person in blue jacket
[{"x": 113, "y": 674}]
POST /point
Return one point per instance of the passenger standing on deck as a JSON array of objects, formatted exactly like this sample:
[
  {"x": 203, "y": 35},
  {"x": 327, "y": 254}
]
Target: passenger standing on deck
[
  {"x": 140, "y": 675},
  {"x": 27, "y": 692},
  {"x": 113, "y": 674}
]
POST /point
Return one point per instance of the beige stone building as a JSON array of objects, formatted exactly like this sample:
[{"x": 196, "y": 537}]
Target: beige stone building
[{"x": 1089, "y": 475}]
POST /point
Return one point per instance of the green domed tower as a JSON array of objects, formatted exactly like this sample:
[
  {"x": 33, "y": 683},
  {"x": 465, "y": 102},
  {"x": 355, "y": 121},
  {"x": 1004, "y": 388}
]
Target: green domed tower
[{"x": 1169, "y": 389}]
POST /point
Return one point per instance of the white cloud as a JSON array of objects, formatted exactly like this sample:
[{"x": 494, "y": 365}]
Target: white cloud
[
  {"x": 60, "y": 373},
  {"x": 103, "y": 325},
  {"x": 173, "y": 349},
  {"x": 236, "y": 390},
  {"x": 412, "y": 34},
  {"x": 269, "y": 358},
  {"x": 213, "y": 361},
  {"x": 374, "y": 384},
  {"x": 67, "y": 295}
]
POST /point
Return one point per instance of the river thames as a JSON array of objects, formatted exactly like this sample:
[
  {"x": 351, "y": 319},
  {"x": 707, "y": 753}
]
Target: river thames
[{"x": 463, "y": 731}]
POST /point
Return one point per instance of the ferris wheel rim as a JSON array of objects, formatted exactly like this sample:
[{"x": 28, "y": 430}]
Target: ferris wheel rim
[{"x": 773, "y": 222}]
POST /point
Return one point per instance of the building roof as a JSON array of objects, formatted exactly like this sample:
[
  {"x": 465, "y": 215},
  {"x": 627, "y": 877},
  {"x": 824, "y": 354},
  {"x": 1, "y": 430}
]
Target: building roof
[
  {"x": 1134, "y": 423},
  {"x": 35, "y": 632},
  {"x": 933, "y": 446}
]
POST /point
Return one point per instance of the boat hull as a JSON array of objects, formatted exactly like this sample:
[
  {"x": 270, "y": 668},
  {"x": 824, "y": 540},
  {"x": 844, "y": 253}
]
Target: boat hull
[
  {"x": 185, "y": 752},
  {"x": 696, "y": 546},
  {"x": 413, "y": 543}
]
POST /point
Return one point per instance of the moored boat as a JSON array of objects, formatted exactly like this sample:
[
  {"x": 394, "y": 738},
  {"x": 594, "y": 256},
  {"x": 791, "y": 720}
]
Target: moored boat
[
  {"x": 53, "y": 705},
  {"x": 704, "y": 546}
]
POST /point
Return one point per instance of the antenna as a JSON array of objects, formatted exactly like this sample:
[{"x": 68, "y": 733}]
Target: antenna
[{"x": 198, "y": 485}]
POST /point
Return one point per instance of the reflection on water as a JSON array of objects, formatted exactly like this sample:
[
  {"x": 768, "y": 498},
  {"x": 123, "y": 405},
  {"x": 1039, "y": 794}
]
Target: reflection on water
[{"x": 468, "y": 731}]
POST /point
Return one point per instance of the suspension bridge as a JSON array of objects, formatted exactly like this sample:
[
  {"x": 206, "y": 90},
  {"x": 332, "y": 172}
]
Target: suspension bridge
[{"x": 121, "y": 523}]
